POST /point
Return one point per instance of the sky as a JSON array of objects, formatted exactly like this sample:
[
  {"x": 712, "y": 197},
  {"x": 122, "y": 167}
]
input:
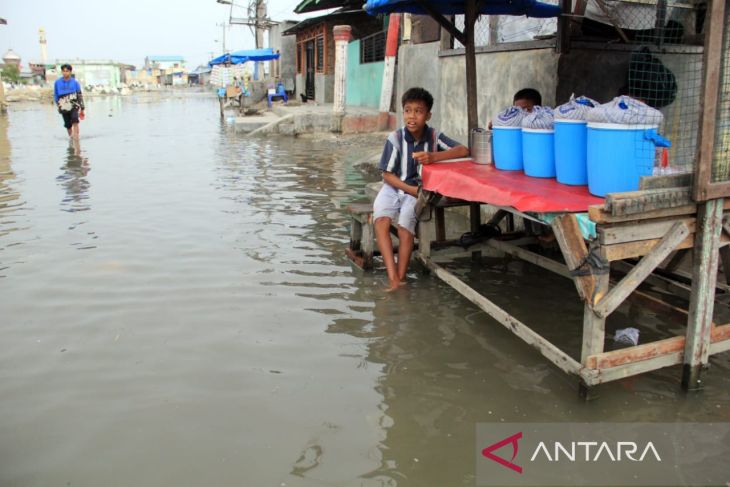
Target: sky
[{"x": 127, "y": 31}]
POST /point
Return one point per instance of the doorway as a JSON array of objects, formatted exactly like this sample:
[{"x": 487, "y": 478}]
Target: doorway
[{"x": 309, "y": 80}]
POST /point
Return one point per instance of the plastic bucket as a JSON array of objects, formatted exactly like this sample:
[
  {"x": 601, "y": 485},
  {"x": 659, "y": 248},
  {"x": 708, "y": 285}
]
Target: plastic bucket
[
  {"x": 570, "y": 152},
  {"x": 538, "y": 152},
  {"x": 507, "y": 146},
  {"x": 617, "y": 156}
]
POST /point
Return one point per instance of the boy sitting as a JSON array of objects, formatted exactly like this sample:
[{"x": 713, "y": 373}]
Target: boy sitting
[{"x": 416, "y": 143}]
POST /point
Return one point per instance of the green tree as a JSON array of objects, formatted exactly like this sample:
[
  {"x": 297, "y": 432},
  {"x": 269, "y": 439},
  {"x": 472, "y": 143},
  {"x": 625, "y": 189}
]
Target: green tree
[{"x": 11, "y": 73}]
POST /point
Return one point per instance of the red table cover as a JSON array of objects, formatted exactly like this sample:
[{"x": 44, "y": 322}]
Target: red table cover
[{"x": 486, "y": 184}]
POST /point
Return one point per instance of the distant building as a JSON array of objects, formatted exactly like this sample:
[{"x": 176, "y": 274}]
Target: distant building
[
  {"x": 315, "y": 44},
  {"x": 90, "y": 73},
  {"x": 164, "y": 70},
  {"x": 11, "y": 58},
  {"x": 285, "y": 68}
]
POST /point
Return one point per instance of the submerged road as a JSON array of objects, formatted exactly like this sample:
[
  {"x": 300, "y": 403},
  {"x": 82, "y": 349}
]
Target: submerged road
[{"x": 176, "y": 309}]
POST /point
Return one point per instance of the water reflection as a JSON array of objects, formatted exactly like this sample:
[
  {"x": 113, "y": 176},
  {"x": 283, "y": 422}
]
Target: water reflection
[
  {"x": 9, "y": 196},
  {"x": 73, "y": 179}
]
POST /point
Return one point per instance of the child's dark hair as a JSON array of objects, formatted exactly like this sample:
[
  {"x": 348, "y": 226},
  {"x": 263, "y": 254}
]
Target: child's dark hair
[
  {"x": 530, "y": 94},
  {"x": 417, "y": 94},
  {"x": 66, "y": 66}
]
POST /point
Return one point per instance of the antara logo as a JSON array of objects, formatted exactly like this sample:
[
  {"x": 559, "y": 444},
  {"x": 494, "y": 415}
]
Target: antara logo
[
  {"x": 487, "y": 452},
  {"x": 588, "y": 451}
]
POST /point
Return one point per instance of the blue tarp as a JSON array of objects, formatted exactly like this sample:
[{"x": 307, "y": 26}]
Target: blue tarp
[
  {"x": 239, "y": 57},
  {"x": 531, "y": 8}
]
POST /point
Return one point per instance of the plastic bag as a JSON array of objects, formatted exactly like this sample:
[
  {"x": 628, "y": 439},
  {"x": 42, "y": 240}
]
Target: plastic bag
[
  {"x": 539, "y": 118},
  {"x": 575, "y": 108},
  {"x": 625, "y": 110},
  {"x": 509, "y": 117}
]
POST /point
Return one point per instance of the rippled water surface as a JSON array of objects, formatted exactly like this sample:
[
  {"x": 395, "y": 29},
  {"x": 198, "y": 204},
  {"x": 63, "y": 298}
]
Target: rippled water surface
[{"x": 176, "y": 309}]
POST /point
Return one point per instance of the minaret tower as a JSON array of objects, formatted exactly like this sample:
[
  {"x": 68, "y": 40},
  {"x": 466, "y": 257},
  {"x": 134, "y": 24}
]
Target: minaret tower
[{"x": 44, "y": 50}]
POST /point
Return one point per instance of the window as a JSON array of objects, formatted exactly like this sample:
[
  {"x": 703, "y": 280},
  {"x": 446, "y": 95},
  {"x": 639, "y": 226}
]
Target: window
[
  {"x": 372, "y": 48},
  {"x": 320, "y": 54}
]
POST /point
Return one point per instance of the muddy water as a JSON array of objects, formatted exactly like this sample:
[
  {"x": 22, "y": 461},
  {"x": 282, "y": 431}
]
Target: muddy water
[{"x": 177, "y": 310}]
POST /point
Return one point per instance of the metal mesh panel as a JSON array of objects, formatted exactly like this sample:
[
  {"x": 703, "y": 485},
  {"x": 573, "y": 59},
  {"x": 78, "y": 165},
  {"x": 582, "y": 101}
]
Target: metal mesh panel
[
  {"x": 721, "y": 159},
  {"x": 508, "y": 28}
]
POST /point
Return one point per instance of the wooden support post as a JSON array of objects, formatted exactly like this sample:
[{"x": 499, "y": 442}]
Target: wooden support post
[
  {"x": 702, "y": 300},
  {"x": 594, "y": 333},
  {"x": 440, "y": 223},
  {"x": 573, "y": 247},
  {"x": 426, "y": 235},
  {"x": 470, "y": 18},
  {"x": 475, "y": 221},
  {"x": 636, "y": 276},
  {"x": 547, "y": 349}
]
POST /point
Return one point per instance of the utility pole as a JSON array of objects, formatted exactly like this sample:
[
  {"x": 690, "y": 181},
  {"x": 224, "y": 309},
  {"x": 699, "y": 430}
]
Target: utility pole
[
  {"x": 257, "y": 20},
  {"x": 260, "y": 24},
  {"x": 222, "y": 25}
]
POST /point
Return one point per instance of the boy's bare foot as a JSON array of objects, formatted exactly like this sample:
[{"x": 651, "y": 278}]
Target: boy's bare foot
[{"x": 393, "y": 285}]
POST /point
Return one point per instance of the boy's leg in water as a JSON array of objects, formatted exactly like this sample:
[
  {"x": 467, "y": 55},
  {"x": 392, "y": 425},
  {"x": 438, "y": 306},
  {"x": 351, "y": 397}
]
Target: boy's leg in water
[
  {"x": 405, "y": 247},
  {"x": 385, "y": 245}
]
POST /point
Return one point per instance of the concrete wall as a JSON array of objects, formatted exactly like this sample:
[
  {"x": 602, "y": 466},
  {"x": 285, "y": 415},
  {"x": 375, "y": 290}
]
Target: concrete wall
[
  {"x": 324, "y": 88},
  {"x": 364, "y": 81},
  {"x": 499, "y": 76},
  {"x": 287, "y": 47},
  {"x": 95, "y": 74},
  {"x": 419, "y": 65}
]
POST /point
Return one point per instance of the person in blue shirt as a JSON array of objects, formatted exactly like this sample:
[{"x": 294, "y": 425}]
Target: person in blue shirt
[
  {"x": 405, "y": 150},
  {"x": 70, "y": 101}
]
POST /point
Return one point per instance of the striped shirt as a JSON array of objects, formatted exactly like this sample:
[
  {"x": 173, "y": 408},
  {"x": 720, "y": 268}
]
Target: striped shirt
[{"x": 398, "y": 152}]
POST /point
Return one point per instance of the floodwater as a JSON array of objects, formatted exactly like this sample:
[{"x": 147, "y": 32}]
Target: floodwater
[{"x": 176, "y": 309}]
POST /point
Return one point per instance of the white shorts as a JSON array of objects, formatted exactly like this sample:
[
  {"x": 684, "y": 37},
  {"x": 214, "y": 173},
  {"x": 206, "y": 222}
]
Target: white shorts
[{"x": 397, "y": 205}]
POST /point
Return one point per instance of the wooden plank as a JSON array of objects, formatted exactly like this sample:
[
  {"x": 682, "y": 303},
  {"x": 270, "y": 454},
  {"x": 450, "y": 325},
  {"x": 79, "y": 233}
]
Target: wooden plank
[
  {"x": 644, "y": 230},
  {"x": 541, "y": 344},
  {"x": 531, "y": 257},
  {"x": 615, "y": 358},
  {"x": 718, "y": 190},
  {"x": 702, "y": 300},
  {"x": 660, "y": 282},
  {"x": 668, "y": 181},
  {"x": 594, "y": 326},
  {"x": 712, "y": 63},
  {"x": 599, "y": 215},
  {"x": 569, "y": 237},
  {"x": 631, "y": 203},
  {"x": 636, "y": 276},
  {"x": 629, "y": 250},
  {"x": 593, "y": 377}
]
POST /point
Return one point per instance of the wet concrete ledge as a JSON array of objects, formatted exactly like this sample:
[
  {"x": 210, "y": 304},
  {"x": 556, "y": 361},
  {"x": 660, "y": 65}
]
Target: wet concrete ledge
[{"x": 310, "y": 119}]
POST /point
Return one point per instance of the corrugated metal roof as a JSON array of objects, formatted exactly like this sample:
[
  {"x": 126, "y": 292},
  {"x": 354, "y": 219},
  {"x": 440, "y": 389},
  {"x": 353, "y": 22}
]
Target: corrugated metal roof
[{"x": 314, "y": 5}]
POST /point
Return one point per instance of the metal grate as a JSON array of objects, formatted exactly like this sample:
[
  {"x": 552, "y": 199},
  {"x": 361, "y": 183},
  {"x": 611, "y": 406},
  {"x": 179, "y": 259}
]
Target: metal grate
[
  {"x": 320, "y": 54},
  {"x": 372, "y": 48},
  {"x": 721, "y": 159}
]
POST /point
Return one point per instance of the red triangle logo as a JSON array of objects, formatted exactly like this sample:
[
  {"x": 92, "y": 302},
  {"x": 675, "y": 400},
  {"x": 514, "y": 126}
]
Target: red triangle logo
[{"x": 487, "y": 452}]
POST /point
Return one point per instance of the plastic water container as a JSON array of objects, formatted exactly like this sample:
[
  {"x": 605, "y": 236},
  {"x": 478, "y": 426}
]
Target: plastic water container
[
  {"x": 507, "y": 146},
  {"x": 538, "y": 152},
  {"x": 618, "y": 155},
  {"x": 570, "y": 152}
]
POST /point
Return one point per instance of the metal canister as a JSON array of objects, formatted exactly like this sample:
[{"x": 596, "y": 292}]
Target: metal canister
[{"x": 481, "y": 145}]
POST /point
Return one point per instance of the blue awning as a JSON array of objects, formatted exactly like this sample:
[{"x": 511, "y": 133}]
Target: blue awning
[
  {"x": 530, "y": 8},
  {"x": 239, "y": 57}
]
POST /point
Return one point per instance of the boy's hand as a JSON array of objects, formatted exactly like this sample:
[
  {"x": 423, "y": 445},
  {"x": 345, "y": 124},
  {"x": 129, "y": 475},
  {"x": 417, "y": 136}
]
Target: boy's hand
[{"x": 423, "y": 157}]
